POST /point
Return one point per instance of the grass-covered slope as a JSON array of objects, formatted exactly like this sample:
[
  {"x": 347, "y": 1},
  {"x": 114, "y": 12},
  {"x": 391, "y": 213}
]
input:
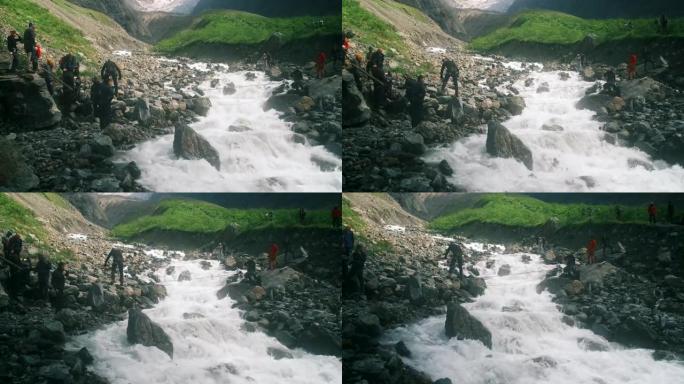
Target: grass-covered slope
[
  {"x": 198, "y": 217},
  {"x": 556, "y": 28},
  {"x": 18, "y": 219},
  {"x": 235, "y": 28},
  {"x": 523, "y": 211},
  {"x": 52, "y": 32}
]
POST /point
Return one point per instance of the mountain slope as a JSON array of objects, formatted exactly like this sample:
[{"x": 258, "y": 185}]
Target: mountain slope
[{"x": 605, "y": 8}]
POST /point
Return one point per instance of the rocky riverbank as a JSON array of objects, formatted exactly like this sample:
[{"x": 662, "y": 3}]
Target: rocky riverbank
[
  {"x": 633, "y": 296},
  {"x": 406, "y": 280},
  {"x": 67, "y": 151},
  {"x": 298, "y": 303},
  {"x": 382, "y": 151},
  {"x": 34, "y": 333}
]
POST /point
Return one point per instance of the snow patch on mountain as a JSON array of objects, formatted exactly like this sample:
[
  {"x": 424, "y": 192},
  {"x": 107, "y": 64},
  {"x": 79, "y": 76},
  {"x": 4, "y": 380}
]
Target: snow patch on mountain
[{"x": 487, "y": 5}]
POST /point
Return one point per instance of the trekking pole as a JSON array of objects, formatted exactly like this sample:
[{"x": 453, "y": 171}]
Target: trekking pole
[{"x": 364, "y": 71}]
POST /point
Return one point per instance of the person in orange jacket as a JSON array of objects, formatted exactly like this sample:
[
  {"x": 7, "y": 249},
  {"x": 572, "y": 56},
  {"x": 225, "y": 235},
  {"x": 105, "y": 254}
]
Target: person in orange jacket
[
  {"x": 632, "y": 67},
  {"x": 273, "y": 256},
  {"x": 652, "y": 213},
  {"x": 591, "y": 249},
  {"x": 320, "y": 65}
]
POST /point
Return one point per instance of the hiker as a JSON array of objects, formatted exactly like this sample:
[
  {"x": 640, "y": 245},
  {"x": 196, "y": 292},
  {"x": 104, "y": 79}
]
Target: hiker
[
  {"x": 267, "y": 60},
  {"x": 540, "y": 245},
  {"x": 302, "y": 216},
  {"x": 449, "y": 71},
  {"x": 12, "y": 258},
  {"x": 297, "y": 80},
  {"x": 251, "y": 275},
  {"x": 652, "y": 213},
  {"x": 571, "y": 267},
  {"x": 102, "y": 102},
  {"x": 578, "y": 63},
  {"x": 379, "y": 90},
  {"x": 29, "y": 41},
  {"x": 670, "y": 212},
  {"x": 591, "y": 249},
  {"x": 58, "y": 283},
  {"x": 336, "y": 216},
  {"x": 357, "y": 267},
  {"x": 647, "y": 59},
  {"x": 70, "y": 63},
  {"x": 357, "y": 71},
  {"x": 663, "y": 23},
  {"x": 348, "y": 245},
  {"x": 43, "y": 268},
  {"x": 377, "y": 59},
  {"x": 320, "y": 65},
  {"x": 456, "y": 258},
  {"x": 117, "y": 264},
  {"x": 94, "y": 95},
  {"x": 111, "y": 71},
  {"x": 415, "y": 93},
  {"x": 611, "y": 87},
  {"x": 70, "y": 72},
  {"x": 46, "y": 73},
  {"x": 346, "y": 43},
  {"x": 12, "y": 41},
  {"x": 273, "y": 256},
  {"x": 632, "y": 67}
]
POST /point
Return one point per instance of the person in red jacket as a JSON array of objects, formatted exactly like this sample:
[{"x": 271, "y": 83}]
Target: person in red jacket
[
  {"x": 632, "y": 67},
  {"x": 652, "y": 212},
  {"x": 320, "y": 65},
  {"x": 336, "y": 216},
  {"x": 591, "y": 249},
  {"x": 273, "y": 256}
]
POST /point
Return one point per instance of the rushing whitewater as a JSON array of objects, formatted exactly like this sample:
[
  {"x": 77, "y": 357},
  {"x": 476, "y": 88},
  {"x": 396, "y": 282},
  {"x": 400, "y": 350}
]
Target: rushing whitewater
[
  {"x": 532, "y": 346},
  {"x": 578, "y": 159},
  {"x": 260, "y": 155},
  {"x": 210, "y": 347}
]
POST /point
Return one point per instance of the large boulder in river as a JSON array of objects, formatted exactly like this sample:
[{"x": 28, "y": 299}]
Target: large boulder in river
[
  {"x": 142, "y": 330},
  {"x": 189, "y": 145},
  {"x": 26, "y": 103},
  {"x": 502, "y": 143},
  {"x": 515, "y": 105},
  {"x": 201, "y": 106},
  {"x": 326, "y": 87},
  {"x": 355, "y": 111},
  {"x": 142, "y": 110},
  {"x": 595, "y": 102},
  {"x": 462, "y": 325},
  {"x": 282, "y": 102}
]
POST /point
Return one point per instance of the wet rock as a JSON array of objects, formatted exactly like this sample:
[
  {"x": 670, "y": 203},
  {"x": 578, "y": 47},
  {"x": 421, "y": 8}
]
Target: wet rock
[
  {"x": 415, "y": 289},
  {"x": 592, "y": 345},
  {"x": 142, "y": 330},
  {"x": 281, "y": 102},
  {"x": 574, "y": 288},
  {"x": 445, "y": 168},
  {"x": 461, "y": 324},
  {"x": 141, "y": 113},
  {"x": 543, "y": 88},
  {"x": 95, "y": 297},
  {"x": 53, "y": 331},
  {"x": 355, "y": 111},
  {"x": 552, "y": 128},
  {"x": 305, "y": 104},
  {"x": 502, "y": 143},
  {"x": 515, "y": 105},
  {"x": 504, "y": 270},
  {"x": 184, "y": 276},
  {"x": 414, "y": 143},
  {"x": 475, "y": 286},
  {"x": 278, "y": 353},
  {"x": 189, "y": 145},
  {"x": 369, "y": 325},
  {"x": 56, "y": 373},
  {"x": 318, "y": 340},
  {"x": 229, "y": 89},
  {"x": 402, "y": 349},
  {"x": 102, "y": 145},
  {"x": 32, "y": 106},
  {"x": 201, "y": 106},
  {"x": 633, "y": 163},
  {"x": 214, "y": 83}
]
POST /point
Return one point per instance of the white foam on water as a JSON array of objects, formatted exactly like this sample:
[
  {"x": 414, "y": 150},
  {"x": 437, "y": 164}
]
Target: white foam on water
[
  {"x": 395, "y": 228},
  {"x": 437, "y": 50},
  {"x": 123, "y": 53},
  {"x": 578, "y": 159},
  {"x": 212, "y": 349},
  {"x": 77, "y": 236},
  {"x": 263, "y": 159},
  {"x": 520, "y": 337}
]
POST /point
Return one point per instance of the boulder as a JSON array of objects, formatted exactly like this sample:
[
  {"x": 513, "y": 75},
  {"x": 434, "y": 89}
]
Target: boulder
[
  {"x": 95, "y": 296},
  {"x": 141, "y": 112},
  {"x": 595, "y": 102},
  {"x": 462, "y": 325},
  {"x": 502, "y": 143},
  {"x": 201, "y": 105},
  {"x": 53, "y": 331},
  {"x": 504, "y": 270},
  {"x": 320, "y": 341},
  {"x": 305, "y": 104},
  {"x": 355, "y": 111},
  {"x": 142, "y": 330},
  {"x": 190, "y": 145},
  {"x": 515, "y": 105},
  {"x": 574, "y": 288},
  {"x": 185, "y": 276},
  {"x": 32, "y": 107},
  {"x": 414, "y": 143},
  {"x": 320, "y": 89},
  {"x": 596, "y": 273},
  {"x": 281, "y": 102},
  {"x": 229, "y": 89},
  {"x": 102, "y": 145},
  {"x": 415, "y": 289}
]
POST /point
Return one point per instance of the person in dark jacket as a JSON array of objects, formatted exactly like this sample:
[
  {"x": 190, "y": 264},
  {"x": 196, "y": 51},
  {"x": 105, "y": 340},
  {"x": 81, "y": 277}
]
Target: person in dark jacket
[
  {"x": 348, "y": 246},
  {"x": 117, "y": 263},
  {"x": 449, "y": 71},
  {"x": 12, "y": 41},
  {"x": 652, "y": 213},
  {"x": 357, "y": 267},
  {"x": 30, "y": 47},
  {"x": 111, "y": 71},
  {"x": 46, "y": 73},
  {"x": 103, "y": 100},
  {"x": 379, "y": 87},
  {"x": 415, "y": 93},
  {"x": 456, "y": 258},
  {"x": 43, "y": 268},
  {"x": 58, "y": 283}
]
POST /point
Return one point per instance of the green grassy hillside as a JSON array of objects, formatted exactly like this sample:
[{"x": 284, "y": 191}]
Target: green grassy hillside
[
  {"x": 53, "y": 33},
  {"x": 523, "y": 211},
  {"x": 241, "y": 28},
  {"x": 205, "y": 218},
  {"x": 549, "y": 27}
]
